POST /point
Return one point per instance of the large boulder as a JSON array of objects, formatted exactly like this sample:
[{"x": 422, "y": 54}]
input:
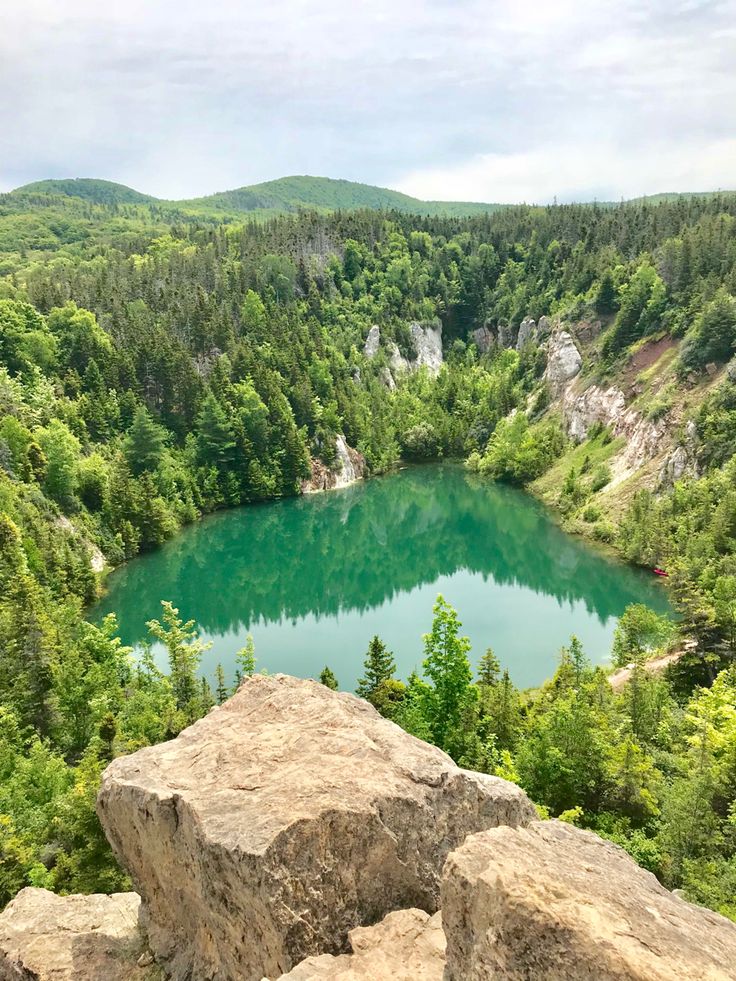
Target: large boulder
[
  {"x": 44, "y": 937},
  {"x": 408, "y": 945},
  {"x": 287, "y": 817},
  {"x": 550, "y": 901}
]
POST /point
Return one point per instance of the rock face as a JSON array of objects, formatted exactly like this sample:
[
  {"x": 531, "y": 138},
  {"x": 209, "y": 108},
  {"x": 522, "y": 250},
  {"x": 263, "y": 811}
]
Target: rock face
[
  {"x": 527, "y": 333},
  {"x": 287, "y": 817},
  {"x": 44, "y": 937},
  {"x": 563, "y": 360},
  {"x": 427, "y": 340},
  {"x": 372, "y": 342},
  {"x": 427, "y": 343},
  {"x": 550, "y": 901},
  {"x": 645, "y": 439},
  {"x": 349, "y": 467},
  {"x": 484, "y": 338},
  {"x": 408, "y": 945}
]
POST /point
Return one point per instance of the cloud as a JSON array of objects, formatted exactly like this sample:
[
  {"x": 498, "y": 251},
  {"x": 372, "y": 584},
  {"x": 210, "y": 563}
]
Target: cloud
[
  {"x": 519, "y": 97},
  {"x": 596, "y": 172}
]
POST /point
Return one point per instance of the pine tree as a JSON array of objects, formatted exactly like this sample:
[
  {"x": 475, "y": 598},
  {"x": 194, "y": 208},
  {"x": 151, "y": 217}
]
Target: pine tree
[
  {"x": 328, "y": 679},
  {"x": 215, "y": 439},
  {"x": 379, "y": 666},
  {"x": 221, "y": 692},
  {"x": 489, "y": 669},
  {"x": 144, "y": 444}
]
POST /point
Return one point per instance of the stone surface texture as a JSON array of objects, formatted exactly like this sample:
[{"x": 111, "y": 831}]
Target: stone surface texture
[
  {"x": 552, "y": 902},
  {"x": 408, "y": 945},
  {"x": 45, "y": 937},
  {"x": 287, "y": 817}
]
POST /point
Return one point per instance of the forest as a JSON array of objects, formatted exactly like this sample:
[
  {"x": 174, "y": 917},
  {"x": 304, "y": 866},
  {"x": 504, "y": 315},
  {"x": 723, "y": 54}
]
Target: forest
[{"x": 156, "y": 365}]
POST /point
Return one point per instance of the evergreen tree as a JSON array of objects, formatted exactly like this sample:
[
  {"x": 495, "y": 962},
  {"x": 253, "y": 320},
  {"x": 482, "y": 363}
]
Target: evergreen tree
[
  {"x": 328, "y": 679},
  {"x": 144, "y": 444},
  {"x": 215, "y": 438},
  {"x": 379, "y": 666}
]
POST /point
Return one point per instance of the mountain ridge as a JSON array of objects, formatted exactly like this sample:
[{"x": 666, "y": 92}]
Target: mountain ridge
[{"x": 295, "y": 193}]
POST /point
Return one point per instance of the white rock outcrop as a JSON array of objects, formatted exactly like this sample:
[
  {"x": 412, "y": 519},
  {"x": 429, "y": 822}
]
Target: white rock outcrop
[
  {"x": 484, "y": 338},
  {"x": 349, "y": 467},
  {"x": 45, "y": 937},
  {"x": 427, "y": 341},
  {"x": 288, "y": 816},
  {"x": 552, "y": 902},
  {"x": 372, "y": 342},
  {"x": 408, "y": 945},
  {"x": 527, "y": 333},
  {"x": 564, "y": 361}
]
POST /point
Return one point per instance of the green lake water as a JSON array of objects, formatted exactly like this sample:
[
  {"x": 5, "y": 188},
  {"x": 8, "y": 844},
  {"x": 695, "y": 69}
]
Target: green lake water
[{"x": 313, "y": 578}]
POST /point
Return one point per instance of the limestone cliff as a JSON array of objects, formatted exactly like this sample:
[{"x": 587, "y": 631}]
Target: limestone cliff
[{"x": 426, "y": 342}]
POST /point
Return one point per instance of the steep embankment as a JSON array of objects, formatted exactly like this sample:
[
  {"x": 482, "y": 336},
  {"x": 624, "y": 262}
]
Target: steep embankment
[{"x": 630, "y": 426}]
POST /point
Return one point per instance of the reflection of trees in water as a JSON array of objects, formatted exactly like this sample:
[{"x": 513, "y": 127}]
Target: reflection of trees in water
[{"x": 356, "y": 548}]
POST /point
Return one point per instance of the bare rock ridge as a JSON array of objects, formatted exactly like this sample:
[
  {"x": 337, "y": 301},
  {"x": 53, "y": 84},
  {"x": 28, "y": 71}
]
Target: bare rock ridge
[
  {"x": 290, "y": 815},
  {"x": 408, "y": 945},
  {"x": 44, "y": 937},
  {"x": 551, "y": 901}
]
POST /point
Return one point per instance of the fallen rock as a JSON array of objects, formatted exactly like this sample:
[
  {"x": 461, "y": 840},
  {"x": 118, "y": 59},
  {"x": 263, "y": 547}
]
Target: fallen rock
[
  {"x": 563, "y": 360},
  {"x": 45, "y": 937},
  {"x": 408, "y": 945},
  {"x": 551, "y": 901},
  {"x": 284, "y": 819},
  {"x": 372, "y": 342}
]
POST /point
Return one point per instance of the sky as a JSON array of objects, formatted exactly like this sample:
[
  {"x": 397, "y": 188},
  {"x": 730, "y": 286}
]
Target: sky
[{"x": 480, "y": 100}]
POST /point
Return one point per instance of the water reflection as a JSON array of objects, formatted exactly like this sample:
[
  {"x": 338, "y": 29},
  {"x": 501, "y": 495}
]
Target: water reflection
[{"x": 340, "y": 555}]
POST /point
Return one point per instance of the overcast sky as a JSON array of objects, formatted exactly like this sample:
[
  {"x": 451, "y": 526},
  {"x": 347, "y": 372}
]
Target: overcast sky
[{"x": 492, "y": 100}]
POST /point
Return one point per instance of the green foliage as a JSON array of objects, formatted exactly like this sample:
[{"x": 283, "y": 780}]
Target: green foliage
[
  {"x": 518, "y": 452},
  {"x": 639, "y": 634},
  {"x": 328, "y": 679},
  {"x": 379, "y": 669}
]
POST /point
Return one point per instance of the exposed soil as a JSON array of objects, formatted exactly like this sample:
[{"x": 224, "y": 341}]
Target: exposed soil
[{"x": 644, "y": 358}]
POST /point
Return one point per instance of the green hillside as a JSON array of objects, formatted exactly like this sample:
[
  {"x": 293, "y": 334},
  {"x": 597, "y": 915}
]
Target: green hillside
[
  {"x": 89, "y": 189},
  {"x": 326, "y": 194},
  {"x": 287, "y": 194}
]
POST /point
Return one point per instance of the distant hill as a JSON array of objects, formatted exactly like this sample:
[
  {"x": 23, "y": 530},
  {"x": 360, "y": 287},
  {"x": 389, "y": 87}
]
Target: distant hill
[
  {"x": 327, "y": 194},
  {"x": 287, "y": 194},
  {"x": 89, "y": 189}
]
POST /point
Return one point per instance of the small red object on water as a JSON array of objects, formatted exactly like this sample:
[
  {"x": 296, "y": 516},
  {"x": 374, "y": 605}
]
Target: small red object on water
[{"x": 659, "y": 572}]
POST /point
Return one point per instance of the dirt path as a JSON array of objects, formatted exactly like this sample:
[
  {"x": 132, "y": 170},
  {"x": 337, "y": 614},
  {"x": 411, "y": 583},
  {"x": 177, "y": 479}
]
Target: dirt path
[{"x": 656, "y": 666}]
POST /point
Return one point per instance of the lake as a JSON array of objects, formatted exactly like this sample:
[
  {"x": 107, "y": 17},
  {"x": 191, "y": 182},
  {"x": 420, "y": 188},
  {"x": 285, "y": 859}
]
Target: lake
[{"x": 314, "y": 578}]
